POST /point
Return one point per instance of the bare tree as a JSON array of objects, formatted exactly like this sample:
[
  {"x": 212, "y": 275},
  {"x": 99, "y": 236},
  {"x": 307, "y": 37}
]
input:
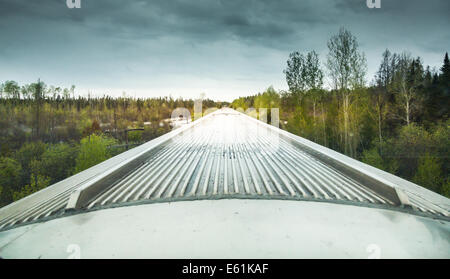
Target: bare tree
[
  {"x": 383, "y": 79},
  {"x": 406, "y": 80},
  {"x": 314, "y": 83}
]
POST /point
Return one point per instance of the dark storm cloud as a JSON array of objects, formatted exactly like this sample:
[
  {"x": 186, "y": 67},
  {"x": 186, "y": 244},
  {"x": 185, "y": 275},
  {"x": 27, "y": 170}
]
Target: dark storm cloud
[
  {"x": 214, "y": 19},
  {"x": 241, "y": 45},
  {"x": 207, "y": 19},
  {"x": 236, "y": 20}
]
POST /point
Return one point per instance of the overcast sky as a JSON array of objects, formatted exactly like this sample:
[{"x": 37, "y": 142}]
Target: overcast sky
[{"x": 224, "y": 48}]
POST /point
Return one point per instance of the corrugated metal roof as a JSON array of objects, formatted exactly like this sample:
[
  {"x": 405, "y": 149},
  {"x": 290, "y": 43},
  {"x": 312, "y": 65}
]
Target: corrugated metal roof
[
  {"x": 227, "y": 156},
  {"x": 223, "y": 155}
]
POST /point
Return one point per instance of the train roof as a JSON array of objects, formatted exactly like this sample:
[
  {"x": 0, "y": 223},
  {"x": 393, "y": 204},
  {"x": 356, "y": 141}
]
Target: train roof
[{"x": 228, "y": 185}]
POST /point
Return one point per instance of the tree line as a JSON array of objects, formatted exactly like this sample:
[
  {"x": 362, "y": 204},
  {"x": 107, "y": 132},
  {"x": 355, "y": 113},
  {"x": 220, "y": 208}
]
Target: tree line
[{"x": 397, "y": 122}]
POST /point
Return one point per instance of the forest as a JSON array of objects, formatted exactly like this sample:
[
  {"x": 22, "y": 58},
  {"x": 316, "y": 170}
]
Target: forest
[{"x": 397, "y": 122}]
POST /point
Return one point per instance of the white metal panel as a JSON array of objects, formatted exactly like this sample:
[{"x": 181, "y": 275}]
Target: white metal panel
[{"x": 232, "y": 229}]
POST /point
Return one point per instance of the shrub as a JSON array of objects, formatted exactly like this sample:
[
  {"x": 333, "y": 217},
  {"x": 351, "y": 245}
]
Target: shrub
[
  {"x": 429, "y": 173},
  {"x": 93, "y": 150}
]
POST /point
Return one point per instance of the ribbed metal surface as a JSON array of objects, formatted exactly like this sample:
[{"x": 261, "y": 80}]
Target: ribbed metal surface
[
  {"x": 226, "y": 155},
  {"x": 51, "y": 206}
]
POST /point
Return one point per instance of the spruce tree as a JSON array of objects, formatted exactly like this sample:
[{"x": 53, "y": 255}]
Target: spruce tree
[
  {"x": 445, "y": 69},
  {"x": 445, "y": 87}
]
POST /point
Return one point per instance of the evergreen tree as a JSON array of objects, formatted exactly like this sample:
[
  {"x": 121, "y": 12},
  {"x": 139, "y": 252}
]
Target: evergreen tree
[
  {"x": 445, "y": 69},
  {"x": 444, "y": 98}
]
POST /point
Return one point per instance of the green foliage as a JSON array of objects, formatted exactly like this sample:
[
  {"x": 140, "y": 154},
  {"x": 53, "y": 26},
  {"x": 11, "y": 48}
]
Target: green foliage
[
  {"x": 303, "y": 73},
  {"x": 445, "y": 69},
  {"x": 300, "y": 123},
  {"x": 93, "y": 150},
  {"x": 445, "y": 189},
  {"x": 135, "y": 136},
  {"x": 30, "y": 151},
  {"x": 345, "y": 62},
  {"x": 58, "y": 161},
  {"x": 412, "y": 143},
  {"x": 10, "y": 171},
  {"x": 38, "y": 182},
  {"x": 440, "y": 144},
  {"x": 373, "y": 158},
  {"x": 269, "y": 99},
  {"x": 11, "y": 89},
  {"x": 429, "y": 173},
  {"x": 296, "y": 72},
  {"x": 243, "y": 103},
  {"x": 25, "y": 155}
]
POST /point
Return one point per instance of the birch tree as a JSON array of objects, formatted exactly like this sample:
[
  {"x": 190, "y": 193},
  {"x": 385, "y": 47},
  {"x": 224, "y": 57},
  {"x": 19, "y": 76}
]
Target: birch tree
[
  {"x": 406, "y": 81},
  {"x": 347, "y": 69},
  {"x": 383, "y": 79},
  {"x": 314, "y": 83}
]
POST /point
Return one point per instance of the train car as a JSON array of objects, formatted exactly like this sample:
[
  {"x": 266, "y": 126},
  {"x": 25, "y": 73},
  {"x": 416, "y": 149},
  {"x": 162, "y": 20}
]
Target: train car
[{"x": 228, "y": 186}]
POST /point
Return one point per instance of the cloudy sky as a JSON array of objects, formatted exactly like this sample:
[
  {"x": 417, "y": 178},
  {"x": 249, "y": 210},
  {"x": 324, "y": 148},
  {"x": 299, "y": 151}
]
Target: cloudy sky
[{"x": 223, "y": 48}]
